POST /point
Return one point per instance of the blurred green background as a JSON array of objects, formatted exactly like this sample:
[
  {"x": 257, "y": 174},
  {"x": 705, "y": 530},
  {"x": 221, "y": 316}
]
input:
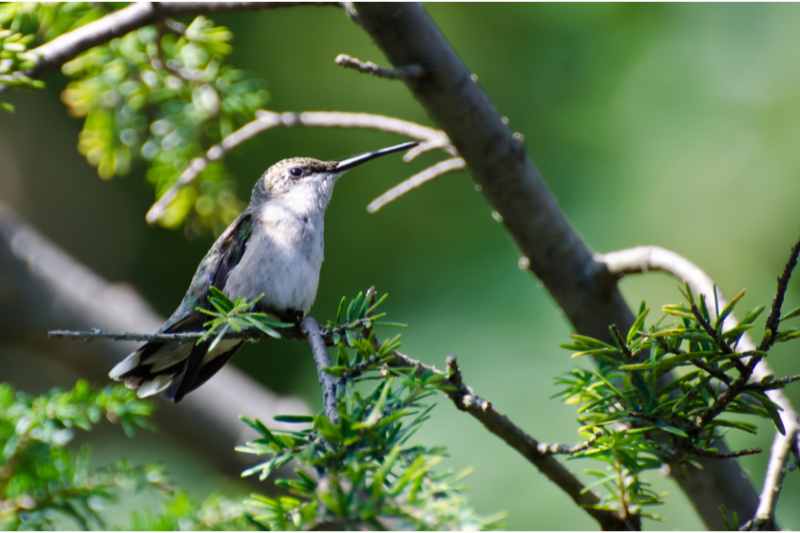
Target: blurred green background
[{"x": 673, "y": 125}]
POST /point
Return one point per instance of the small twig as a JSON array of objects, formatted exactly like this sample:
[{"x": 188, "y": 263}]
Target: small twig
[
  {"x": 764, "y": 518},
  {"x": 321, "y": 361},
  {"x": 267, "y": 120},
  {"x": 418, "y": 179},
  {"x": 722, "y": 455},
  {"x": 407, "y": 72},
  {"x": 564, "y": 449},
  {"x": 771, "y": 327},
  {"x": 424, "y": 147},
  {"x": 182, "y": 337}
]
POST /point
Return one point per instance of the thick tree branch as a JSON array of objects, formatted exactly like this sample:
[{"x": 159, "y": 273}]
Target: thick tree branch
[
  {"x": 55, "y": 53},
  {"x": 43, "y": 286},
  {"x": 267, "y": 120},
  {"x": 514, "y": 187},
  {"x": 644, "y": 259}
]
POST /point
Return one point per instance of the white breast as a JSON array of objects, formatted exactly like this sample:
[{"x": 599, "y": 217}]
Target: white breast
[{"x": 282, "y": 260}]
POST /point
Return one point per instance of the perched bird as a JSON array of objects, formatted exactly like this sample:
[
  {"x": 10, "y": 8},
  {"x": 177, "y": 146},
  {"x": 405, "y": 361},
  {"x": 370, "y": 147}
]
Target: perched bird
[{"x": 273, "y": 250}]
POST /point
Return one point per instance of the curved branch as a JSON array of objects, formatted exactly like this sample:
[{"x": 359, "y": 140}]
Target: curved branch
[
  {"x": 417, "y": 180},
  {"x": 267, "y": 120},
  {"x": 642, "y": 259},
  {"x": 538, "y": 454},
  {"x": 55, "y": 53}
]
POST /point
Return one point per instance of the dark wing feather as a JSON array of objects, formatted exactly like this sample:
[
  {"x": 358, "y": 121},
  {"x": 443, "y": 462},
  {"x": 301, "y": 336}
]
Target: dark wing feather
[{"x": 190, "y": 372}]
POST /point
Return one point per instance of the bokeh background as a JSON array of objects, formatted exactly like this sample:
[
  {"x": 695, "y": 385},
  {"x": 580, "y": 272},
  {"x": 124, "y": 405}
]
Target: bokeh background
[{"x": 673, "y": 125}]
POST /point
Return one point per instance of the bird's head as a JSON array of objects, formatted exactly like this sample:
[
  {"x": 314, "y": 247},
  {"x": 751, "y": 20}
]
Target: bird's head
[{"x": 299, "y": 179}]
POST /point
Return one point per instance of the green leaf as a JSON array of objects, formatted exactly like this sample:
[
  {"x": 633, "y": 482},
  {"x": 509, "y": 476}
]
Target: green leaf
[{"x": 294, "y": 419}]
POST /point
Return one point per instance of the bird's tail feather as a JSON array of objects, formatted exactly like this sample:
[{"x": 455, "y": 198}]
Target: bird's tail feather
[{"x": 159, "y": 366}]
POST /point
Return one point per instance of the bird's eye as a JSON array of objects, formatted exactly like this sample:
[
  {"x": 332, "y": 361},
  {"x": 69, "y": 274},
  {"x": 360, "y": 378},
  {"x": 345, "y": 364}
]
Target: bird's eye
[{"x": 296, "y": 172}]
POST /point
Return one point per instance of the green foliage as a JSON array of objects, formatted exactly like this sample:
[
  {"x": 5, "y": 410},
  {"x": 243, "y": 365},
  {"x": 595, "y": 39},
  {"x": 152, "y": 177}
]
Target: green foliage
[
  {"x": 236, "y": 315},
  {"x": 42, "y": 482},
  {"x": 362, "y": 469},
  {"x": 163, "y": 94},
  {"x": 181, "y": 513},
  {"x": 636, "y": 418}
]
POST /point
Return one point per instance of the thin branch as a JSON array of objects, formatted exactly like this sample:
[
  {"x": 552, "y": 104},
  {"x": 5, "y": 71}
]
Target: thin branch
[
  {"x": 322, "y": 362},
  {"x": 771, "y": 327},
  {"x": 424, "y": 147},
  {"x": 58, "y": 51},
  {"x": 182, "y": 337},
  {"x": 653, "y": 258},
  {"x": 267, "y": 120},
  {"x": 764, "y": 518},
  {"x": 417, "y": 180},
  {"x": 368, "y": 67},
  {"x": 466, "y": 400},
  {"x": 564, "y": 449}
]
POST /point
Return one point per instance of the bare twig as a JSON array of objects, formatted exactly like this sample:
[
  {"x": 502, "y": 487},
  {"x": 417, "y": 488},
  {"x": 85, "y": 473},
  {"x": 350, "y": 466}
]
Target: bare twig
[
  {"x": 368, "y": 67},
  {"x": 322, "y": 362},
  {"x": 652, "y": 258},
  {"x": 55, "y": 53},
  {"x": 764, "y": 518},
  {"x": 417, "y": 180},
  {"x": 267, "y": 120},
  {"x": 424, "y": 147},
  {"x": 501, "y": 426},
  {"x": 774, "y": 318},
  {"x": 182, "y": 337}
]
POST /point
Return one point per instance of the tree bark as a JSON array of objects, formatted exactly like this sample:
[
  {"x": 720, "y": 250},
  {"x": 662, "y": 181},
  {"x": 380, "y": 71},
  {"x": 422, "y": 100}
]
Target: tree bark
[{"x": 512, "y": 184}]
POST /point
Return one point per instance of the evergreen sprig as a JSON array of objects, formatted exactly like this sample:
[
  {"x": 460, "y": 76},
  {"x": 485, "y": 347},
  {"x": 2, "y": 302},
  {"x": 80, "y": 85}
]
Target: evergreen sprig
[
  {"x": 667, "y": 393},
  {"x": 362, "y": 471},
  {"x": 42, "y": 481}
]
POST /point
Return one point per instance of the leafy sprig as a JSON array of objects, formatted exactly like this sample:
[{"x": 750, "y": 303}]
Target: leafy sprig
[
  {"x": 42, "y": 482},
  {"x": 667, "y": 393},
  {"x": 362, "y": 470},
  {"x": 235, "y": 316}
]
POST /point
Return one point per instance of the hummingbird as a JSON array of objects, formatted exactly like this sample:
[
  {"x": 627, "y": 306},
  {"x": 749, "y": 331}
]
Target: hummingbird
[{"x": 272, "y": 251}]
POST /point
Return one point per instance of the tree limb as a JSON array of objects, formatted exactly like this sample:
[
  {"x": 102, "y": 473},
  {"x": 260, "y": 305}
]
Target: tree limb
[
  {"x": 555, "y": 253},
  {"x": 43, "y": 286},
  {"x": 267, "y": 120},
  {"x": 58, "y": 51},
  {"x": 642, "y": 259},
  {"x": 535, "y": 452}
]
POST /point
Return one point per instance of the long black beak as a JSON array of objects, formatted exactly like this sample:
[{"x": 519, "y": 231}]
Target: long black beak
[{"x": 354, "y": 161}]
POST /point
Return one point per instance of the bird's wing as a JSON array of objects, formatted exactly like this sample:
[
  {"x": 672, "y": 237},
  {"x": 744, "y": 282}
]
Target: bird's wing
[
  {"x": 156, "y": 365},
  {"x": 222, "y": 257}
]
